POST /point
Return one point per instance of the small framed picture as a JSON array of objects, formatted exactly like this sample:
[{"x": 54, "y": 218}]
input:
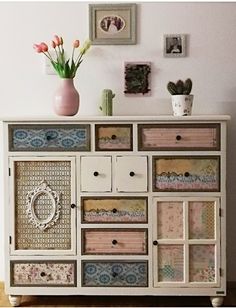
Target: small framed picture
[
  {"x": 174, "y": 45},
  {"x": 112, "y": 24}
]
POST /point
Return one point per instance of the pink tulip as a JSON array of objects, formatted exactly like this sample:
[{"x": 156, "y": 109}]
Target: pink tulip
[
  {"x": 57, "y": 40},
  {"x": 53, "y": 44},
  {"x": 76, "y": 44},
  {"x": 44, "y": 47},
  {"x": 38, "y": 48}
]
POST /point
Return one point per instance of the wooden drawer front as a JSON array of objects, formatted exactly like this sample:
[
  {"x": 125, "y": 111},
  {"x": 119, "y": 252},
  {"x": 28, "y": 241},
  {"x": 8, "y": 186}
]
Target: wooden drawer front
[
  {"x": 179, "y": 173},
  {"x": 49, "y": 137},
  {"x": 114, "y": 137},
  {"x": 96, "y": 173},
  {"x": 131, "y": 173},
  {"x": 43, "y": 274},
  {"x": 115, "y": 241},
  {"x": 179, "y": 137},
  {"x": 115, "y": 274},
  {"x": 112, "y": 209}
]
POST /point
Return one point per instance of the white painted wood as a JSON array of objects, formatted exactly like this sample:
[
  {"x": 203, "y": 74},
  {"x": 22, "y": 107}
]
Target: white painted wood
[{"x": 14, "y": 300}]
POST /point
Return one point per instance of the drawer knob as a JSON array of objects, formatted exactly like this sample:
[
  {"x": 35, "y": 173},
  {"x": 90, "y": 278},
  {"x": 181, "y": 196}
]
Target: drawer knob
[
  {"x": 113, "y": 137},
  {"x": 186, "y": 174},
  {"x": 178, "y": 137},
  {"x": 114, "y": 211},
  {"x": 48, "y": 137},
  {"x": 114, "y": 242},
  {"x": 73, "y": 206},
  {"x": 95, "y": 173},
  {"x": 132, "y": 173},
  {"x": 42, "y": 274},
  {"x": 155, "y": 243},
  {"x": 114, "y": 274}
]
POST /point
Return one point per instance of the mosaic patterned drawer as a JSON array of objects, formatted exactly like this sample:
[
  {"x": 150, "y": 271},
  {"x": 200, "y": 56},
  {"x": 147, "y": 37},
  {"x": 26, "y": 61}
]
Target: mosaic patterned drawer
[
  {"x": 114, "y": 241},
  {"x": 161, "y": 137},
  {"x": 192, "y": 173},
  {"x": 114, "y": 137},
  {"x": 115, "y": 274},
  {"x": 49, "y": 137},
  {"x": 43, "y": 273},
  {"x": 112, "y": 209}
]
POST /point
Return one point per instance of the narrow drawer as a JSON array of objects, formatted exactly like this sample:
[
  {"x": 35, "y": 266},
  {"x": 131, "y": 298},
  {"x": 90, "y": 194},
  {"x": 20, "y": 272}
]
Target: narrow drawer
[
  {"x": 110, "y": 137},
  {"x": 162, "y": 137},
  {"x": 49, "y": 137},
  {"x": 114, "y": 241},
  {"x": 113, "y": 209},
  {"x": 115, "y": 274},
  {"x": 192, "y": 173},
  {"x": 43, "y": 273}
]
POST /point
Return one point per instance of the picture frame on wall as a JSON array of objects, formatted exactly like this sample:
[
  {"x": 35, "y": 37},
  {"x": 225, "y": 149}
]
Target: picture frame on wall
[
  {"x": 112, "y": 24},
  {"x": 174, "y": 45}
]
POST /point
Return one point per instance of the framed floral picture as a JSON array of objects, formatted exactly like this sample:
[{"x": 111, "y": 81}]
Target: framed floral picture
[
  {"x": 112, "y": 24},
  {"x": 174, "y": 45}
]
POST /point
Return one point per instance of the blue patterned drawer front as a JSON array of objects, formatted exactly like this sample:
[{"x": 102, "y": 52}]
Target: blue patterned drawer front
[
  {"x": 49, "y": 137},
  {"x": 115, "y": 274}
]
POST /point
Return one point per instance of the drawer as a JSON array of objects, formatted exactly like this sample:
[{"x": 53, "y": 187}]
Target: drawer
[
  {"x": 49, "y": 137},
  {"x": 115, "y": 274},
  {"x": 131, "y": 173},
  {"x": 110, "y": 137},
  {"x": 181, "y": 173},
  {"x": 114, "y": 241},
  {"x": 113, "y": 209},
  {"x": 96, "y": 173},
  {"x": 161, "y": 137},
  {"x": 43, "y": 273}
]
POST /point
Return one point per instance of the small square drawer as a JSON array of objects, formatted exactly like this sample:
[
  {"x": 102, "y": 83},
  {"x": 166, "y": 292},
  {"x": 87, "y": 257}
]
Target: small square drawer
[
  {"x": 114, "y": 209},
  {"x": 115, "y": 274},
  {"x": 114, "y": 241},
  {"x": 43, "y": 273},
  {"x": 191, "y": 173},
  {"x": 49, "y": 137},
  {"x": 96, "y": 173},
  {"x": 163, "y": 137},
  {"x": 110, "y": 137}
]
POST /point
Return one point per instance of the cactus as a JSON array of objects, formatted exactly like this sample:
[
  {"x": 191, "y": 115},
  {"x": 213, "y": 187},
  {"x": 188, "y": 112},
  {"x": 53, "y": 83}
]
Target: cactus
[
  {"x": 107, "y": 97},
  {"x": 180, "y": 87}
]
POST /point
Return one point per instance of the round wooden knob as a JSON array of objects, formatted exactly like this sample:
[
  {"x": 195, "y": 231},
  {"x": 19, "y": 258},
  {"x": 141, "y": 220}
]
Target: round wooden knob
[
  {"x": 114, "y": 211},
  {"x": 114, "y": 274},
  {"x": 186, "y": 174},
  {"x": 155, "y": 243},
  {"x": 73, "y": 206},
  {"x": 42, "y": 274},
  {"x": 95, "y": 173},
  {"x": 48, "y": 137},
  {"x": 178, "y": 137},
  {"x": 132, "y": 173},
  {"x": 113, "y": 137},
  {"x": 114, "y": 242}
]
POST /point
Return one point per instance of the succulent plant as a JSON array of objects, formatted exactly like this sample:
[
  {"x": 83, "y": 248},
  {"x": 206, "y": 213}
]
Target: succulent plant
[{"x": 180, "y": 87}]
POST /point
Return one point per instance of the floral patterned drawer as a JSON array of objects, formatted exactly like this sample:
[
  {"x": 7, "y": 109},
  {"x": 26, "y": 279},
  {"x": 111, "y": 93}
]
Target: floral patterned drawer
[
  {"x": 162, "y": 137},
  {"x": 49, "y": 137},
  {"x": 181, "y": 173},
  {"x": 115, "y": 274},
  {"x": 114, "y": 241},
  {"x": 113, "y": 209},
  {"x": 43, "y": 273},
  {"x": 114, "y": 137}
]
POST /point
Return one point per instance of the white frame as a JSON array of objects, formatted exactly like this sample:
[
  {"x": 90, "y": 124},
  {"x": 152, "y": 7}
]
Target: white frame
[{"x": 182, "y": 38}]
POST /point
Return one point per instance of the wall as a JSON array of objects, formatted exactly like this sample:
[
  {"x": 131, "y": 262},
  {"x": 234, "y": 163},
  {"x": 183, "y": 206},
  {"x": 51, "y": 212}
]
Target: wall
[{"x": 211, "y": 63}]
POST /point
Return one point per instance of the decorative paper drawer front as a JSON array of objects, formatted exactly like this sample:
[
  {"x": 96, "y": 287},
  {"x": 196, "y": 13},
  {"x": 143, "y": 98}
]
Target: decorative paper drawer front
[
  {"x": 114, "y": 241},
  {"x": 49, "y": 137},
  {"x": 115, "y": 274},
  {"x": 180, "y": 173},
  {"x": 43, "y": 273},
  {"x": 110, "y": 137},
  {"x": 112, "y": 209},
  {"x": 179, "y": 137}
]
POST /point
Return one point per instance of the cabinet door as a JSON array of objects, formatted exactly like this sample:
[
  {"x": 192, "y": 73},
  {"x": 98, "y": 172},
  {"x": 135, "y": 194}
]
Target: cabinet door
[
  {"x": 42, "y": 219},
  {"x": 186, "y": 242},
  {"x": 131, "y": 173}
]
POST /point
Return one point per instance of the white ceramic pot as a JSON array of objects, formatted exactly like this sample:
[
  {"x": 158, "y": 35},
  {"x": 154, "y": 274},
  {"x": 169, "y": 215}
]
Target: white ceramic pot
[{"x": 182, "y": 105}]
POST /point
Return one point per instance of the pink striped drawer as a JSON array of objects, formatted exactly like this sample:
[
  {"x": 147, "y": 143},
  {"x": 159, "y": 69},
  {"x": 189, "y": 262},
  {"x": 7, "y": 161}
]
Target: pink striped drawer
[
  {"x": 114, "y": 241},
  {"x": 179, "y": 137}
]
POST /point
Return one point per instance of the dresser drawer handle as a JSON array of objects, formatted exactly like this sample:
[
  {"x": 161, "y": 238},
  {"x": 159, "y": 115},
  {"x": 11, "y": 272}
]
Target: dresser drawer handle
[
  {"x": 155, "y": 243},
  {"x": 187, "y": 174},
  {"x": 113, "y": 137},
  {"x": 114, "y": 242},
  {"x": 73, "y": 206},
  {"x": 114, "y": 211},
  {"x": 48, "y": 137},
  {"x": 132, "y": 173},
  {"x": 178, "y": 137},
  {"x": 42, "y": 274},
  {"x": 114, "y": 274},
  {"x": 96, "y": 173}
]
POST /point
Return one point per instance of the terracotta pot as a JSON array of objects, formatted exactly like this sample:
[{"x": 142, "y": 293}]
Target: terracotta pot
[
  {"x": 66, "y": 98},
  {"x": 182, "y": 105}
]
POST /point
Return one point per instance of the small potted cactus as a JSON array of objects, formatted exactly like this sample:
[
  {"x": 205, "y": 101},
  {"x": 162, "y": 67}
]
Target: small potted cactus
[{"x": 182, "y": 100}]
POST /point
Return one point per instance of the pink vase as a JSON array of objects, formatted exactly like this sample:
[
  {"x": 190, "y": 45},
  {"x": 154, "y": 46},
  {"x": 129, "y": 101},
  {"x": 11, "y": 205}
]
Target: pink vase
[{"x": 66, "y": 98}]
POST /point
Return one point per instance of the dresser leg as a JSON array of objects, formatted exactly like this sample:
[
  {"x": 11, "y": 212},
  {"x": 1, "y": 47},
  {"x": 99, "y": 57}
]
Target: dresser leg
[
  {"x": 14, "y": 300},
  {"x": 217, "y": 301}
]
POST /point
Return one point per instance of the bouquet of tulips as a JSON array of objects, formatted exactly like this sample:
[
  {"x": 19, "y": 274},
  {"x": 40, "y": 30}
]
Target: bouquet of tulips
[{"x": 65, "y": 68}]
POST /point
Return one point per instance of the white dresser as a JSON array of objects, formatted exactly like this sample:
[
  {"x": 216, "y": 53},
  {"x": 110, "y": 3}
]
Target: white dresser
[{"x": 115, "y": 206}]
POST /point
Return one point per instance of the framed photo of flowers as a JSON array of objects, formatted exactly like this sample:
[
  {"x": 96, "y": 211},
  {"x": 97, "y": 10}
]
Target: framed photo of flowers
[
  {"x": 112, "y": 24},
  {"x": 174, "y": 45}
]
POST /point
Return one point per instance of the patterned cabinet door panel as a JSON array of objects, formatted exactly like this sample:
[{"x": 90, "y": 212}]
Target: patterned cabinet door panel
[
  {"x": 113, "y": 209},
  {"x": 43, "y": 274},
  {"x": 180, "y": 173},
  {"x": 49, "y": 137},
  {"x": 177, "y": 137},
  {"x": 115, "y": 274},
  {"x": 44, "y": 219}
]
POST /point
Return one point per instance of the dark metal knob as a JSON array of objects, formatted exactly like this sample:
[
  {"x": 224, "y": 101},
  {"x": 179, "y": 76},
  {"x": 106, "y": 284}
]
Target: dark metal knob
[
  {"x": 95, "y": 173},
  {"x": 114, "y": 211},
  {"x": 114, "y": 242},
  {"x": 132, "y": 173},
  {"x": 178, "y": 137},
  {"x": 48, "y": 137},
  {"x": 155, "y": 243},
  {"x": 73, "y": 206},
  {"x": 113, "y": 137},
  {"x": 186, "y": 174},
  {"x": 114, "y": 274},
  {"x": 42, "y": 274}
]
